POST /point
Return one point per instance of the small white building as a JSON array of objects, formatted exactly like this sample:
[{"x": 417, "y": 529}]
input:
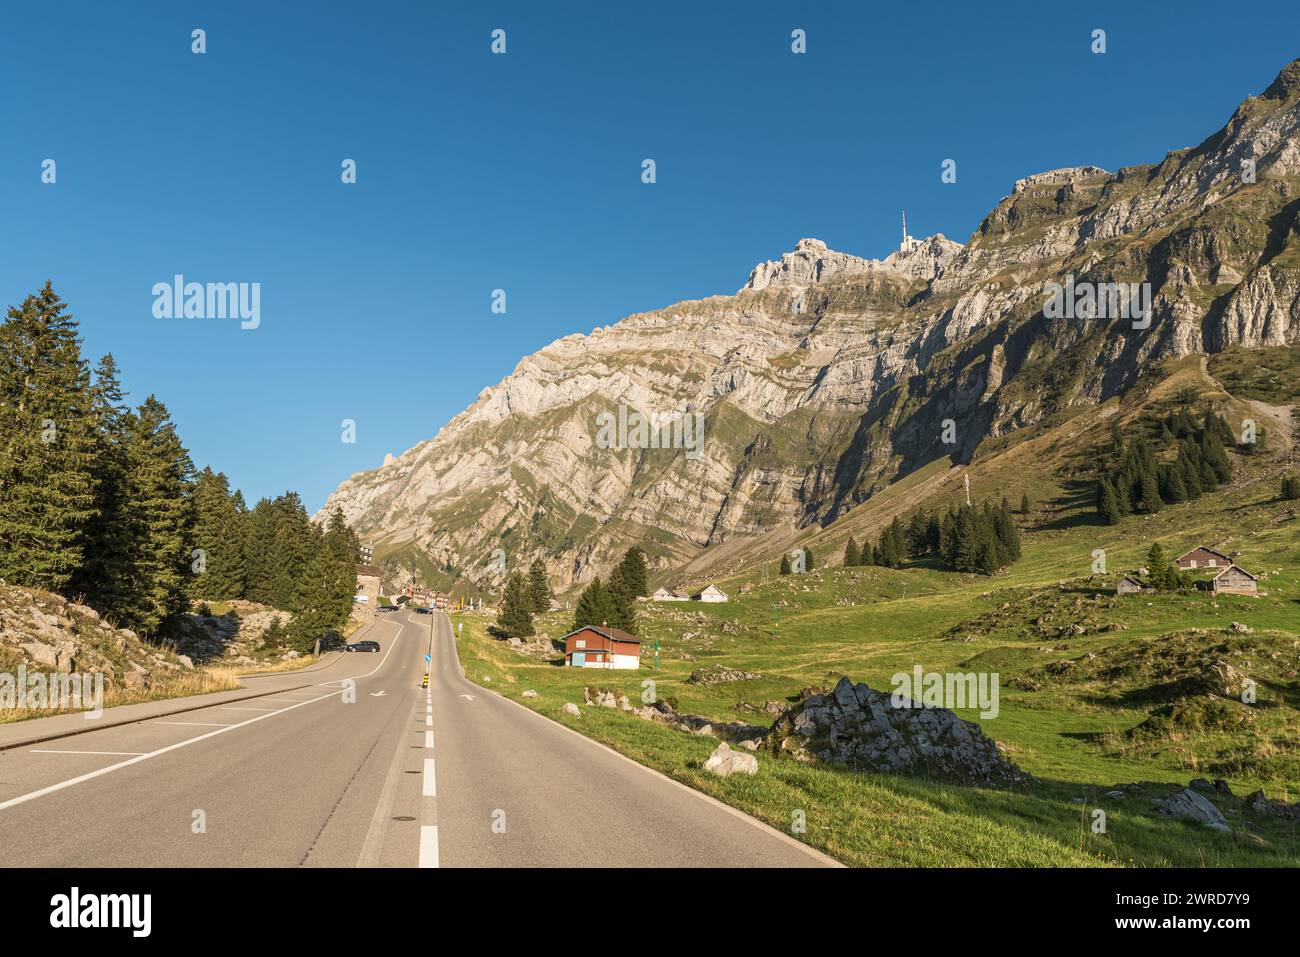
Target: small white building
[
  {"x": 667, "y": 594},
  {"x": 710, "y": 593}
]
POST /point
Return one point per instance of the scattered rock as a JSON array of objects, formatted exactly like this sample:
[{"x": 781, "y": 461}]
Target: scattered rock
[
  {"x": 529, "y": 694},
  {"x": 571, "y": 708},
  {"x": 719, "y": 674},
  {"x": 725, "y": 762},
  {"x": 1189, "y": 805}
]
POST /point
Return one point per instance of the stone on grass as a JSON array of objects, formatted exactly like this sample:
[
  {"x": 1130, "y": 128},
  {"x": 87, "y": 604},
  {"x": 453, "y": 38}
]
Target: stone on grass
[
  {"x": 725, "y": 762},
  {"x": 571, "y": 708}
]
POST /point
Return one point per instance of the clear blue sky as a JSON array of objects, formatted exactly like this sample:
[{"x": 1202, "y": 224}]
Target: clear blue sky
[{"x": 522, "y": 172}]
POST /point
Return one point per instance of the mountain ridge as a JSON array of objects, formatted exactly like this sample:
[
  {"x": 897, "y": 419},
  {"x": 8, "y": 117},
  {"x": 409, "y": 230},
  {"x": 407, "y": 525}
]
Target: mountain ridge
[{"x": 828, "y": 376}]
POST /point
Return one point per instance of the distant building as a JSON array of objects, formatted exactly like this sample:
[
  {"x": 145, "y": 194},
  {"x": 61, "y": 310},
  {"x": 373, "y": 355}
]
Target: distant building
[
  {"x": 1235, "y": 580},
  {"x": 1202, "y": 557},
  {"x": 599, "y": 646},
  {"x": 1128, "y": 585},
  {"x": 667, "y": 594},
  {"x": 367, "y": 554},
  {"x": 368, "y": 579},
  {"x": 710, "y": 593}
]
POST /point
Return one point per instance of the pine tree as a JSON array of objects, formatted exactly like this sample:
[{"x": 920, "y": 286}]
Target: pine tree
[
  {"x": 158, "y": 475},
  {"x": 219, "y": 535},
  {"x": 1291, "y": 486},
  {"x": 1108, "y": 504},
  {"x": 103, "y": 577},
  {"x": 1024, "y": 504},
  {"x": 622, "y": 602},
  {"x": 784, "y": 568},
  {"x": 633, "y": 567},
  {"x": 516, "y": 618},
  {"x": 539, "y": 589},
  {"x": 593, "y": 606},
  {"x": 852, "y": 554},
  {"x": 808, "y": 562},
  {"x": 47, "y": 445},
  {"x": 1158, "y": 568}
]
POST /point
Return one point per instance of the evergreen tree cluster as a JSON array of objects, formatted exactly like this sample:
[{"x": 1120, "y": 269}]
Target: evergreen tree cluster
[
  {"x": 1140, "y": 479},
  {"x": 613, "y": 602},
  {"x": 980, "y": 539},
  {"x": 101, "y": 502},
  {"x": 1163, "y": 574}
]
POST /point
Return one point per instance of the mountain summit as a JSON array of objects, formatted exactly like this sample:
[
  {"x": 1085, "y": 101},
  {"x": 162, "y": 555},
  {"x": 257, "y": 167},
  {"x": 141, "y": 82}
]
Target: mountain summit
[{"x": 828, "y": 376}]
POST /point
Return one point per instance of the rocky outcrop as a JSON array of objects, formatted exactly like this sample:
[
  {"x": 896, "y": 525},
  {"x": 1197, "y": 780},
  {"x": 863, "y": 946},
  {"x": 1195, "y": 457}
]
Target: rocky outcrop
[
  {"x": 46, "y": 633},
  {"x": 860, "y": 728}
]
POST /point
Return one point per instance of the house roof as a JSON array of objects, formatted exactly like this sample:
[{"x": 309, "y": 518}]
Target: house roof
[
  {"x": 370, "y": 571},
  {"x": 1237, "y": 568},
  {"x": 613, "y": 634},
  {"x": 1131, "y": 578},
  {"x": 664, "y": 589},
  {"x": 1202, "y": 548},
  {"x": 710, "y": 587}
]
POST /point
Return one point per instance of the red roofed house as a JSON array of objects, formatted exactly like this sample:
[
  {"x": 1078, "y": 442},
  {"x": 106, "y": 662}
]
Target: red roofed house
[{"x": 599, "y": 646}]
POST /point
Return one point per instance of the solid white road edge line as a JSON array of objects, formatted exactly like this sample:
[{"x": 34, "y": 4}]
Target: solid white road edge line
[{"x": 821, "y": 856}]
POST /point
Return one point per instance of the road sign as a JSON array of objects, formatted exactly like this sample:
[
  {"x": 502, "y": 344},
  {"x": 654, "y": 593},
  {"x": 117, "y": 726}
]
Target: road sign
[
  {"x": 460, "y": 626},
  {"x": 427, "y": 659}
]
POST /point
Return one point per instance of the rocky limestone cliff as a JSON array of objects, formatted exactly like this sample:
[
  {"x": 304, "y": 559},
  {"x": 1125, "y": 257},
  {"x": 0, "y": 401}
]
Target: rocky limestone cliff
[{"x": 827, "y": 376}]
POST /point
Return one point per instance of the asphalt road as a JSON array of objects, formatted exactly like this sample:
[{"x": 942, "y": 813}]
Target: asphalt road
[{"x": 363, "y": 767}]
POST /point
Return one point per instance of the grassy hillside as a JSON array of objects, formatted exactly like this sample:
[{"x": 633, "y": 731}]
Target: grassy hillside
[{"x": 1097, "y": 690}]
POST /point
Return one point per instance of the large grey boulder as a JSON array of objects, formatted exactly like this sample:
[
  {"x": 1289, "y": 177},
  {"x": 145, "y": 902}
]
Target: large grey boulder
[
  {"x": 725, "y": 762},
  {"x": 1189, "y": 805}
]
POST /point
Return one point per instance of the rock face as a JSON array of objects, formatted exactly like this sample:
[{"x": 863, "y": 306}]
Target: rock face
[
  {"x": 1192, "y": 806},
  {"x": 860, "y": 728},
  {"x": 46, "y": 633},
  {"x": 827, "y": 376}
]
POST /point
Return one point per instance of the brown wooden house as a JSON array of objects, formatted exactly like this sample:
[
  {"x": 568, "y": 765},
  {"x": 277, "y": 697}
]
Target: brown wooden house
[
  {"x": 599, "y": 646},
  {"x": 1202, "y": 557}
]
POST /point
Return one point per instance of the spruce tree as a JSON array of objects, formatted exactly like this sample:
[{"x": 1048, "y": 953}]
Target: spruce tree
[
  {"x": 1024, "y": 504},
  {"x": 621, "y": 602},
  {"x": 218, "y": 534},
  {"x": 47, "y": 445},
  {"x": 1108, "y": 504},
  {"x": 635, "y": 576},
  {"x": 539, "y": 589},
  {"x": 158, "y": 476},
  {"x": 103, "y": 577},
  {"x": 852, "y": 554},
  {"x": 516, "y": 618},
  {"x": 592, "y": 607},
  {"x": 1291, "y": 486},
  {"x": 784, "y": 568}
]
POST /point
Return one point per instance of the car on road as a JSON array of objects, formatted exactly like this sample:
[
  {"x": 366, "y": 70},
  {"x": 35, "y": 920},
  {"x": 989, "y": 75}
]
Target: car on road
[
  {"x": 362, "y": 646},
  {"x": 421, "y": 611}
]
